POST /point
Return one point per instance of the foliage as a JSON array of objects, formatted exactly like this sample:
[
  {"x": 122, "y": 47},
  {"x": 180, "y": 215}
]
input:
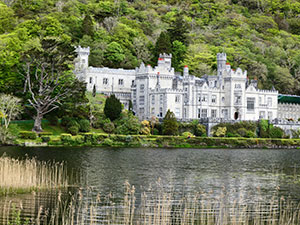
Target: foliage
[
  {"x": 239, "y": 129},
  {"x": 187, "y": 135},
  {"x": 200, "y": 130},
  {"x": 112, "y": 108},
  {"x": 10, "y": 108},
  {"x": 28, "y": 135},
  {"x": 220, "y": 132},
  {"x": 145, "y": 129},
  {"x": 276, "y": 132},
  {"x": 74, "y": 130},
  {"x": 53, "y": 119},
  {"x": 6, "y": 136},
  {"x": 84, "y": 125},
  {"x": 127, "y": 124},
  {"x": 170, "y": 124},
  {"x": 108, "y": 126}
]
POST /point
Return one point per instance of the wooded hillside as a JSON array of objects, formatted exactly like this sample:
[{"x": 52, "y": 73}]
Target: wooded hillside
[{"x": 261, "y": 36}]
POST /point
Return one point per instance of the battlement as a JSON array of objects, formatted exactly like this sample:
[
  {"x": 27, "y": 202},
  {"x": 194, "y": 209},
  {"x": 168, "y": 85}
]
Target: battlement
[
  {"x": 81, "y": 50},
  {"x": 106, "y": 70},
  {"x": 222, "y": 56}
]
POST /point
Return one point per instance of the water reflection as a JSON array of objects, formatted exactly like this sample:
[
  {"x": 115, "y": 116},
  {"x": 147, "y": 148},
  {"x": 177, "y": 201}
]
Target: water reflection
[{"x": 246, "y": 176}]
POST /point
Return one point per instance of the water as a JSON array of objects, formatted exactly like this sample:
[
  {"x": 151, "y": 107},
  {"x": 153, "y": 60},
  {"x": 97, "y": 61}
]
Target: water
[{"x": 246, "y": 175}]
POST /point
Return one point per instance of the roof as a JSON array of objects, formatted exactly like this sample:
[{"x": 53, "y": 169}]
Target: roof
[{"x": 288, "y": 99}]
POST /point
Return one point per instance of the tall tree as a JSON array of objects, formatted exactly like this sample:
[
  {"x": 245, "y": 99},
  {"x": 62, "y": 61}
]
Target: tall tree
[
  {"x": 10, "y": 108},
  {"x": 170, "y": 125},
  {"x": 178, "y": 29},
  {"x": 48, "y": 78},
  {"x": 112, "y": 108}
]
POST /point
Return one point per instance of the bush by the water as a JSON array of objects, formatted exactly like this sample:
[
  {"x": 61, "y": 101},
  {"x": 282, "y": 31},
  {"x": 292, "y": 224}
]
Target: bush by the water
[
  {"x": 84, "y": 125},
  {"x": 112, "y": 108},
  {"x": 238, "y": 129},
  {"x": 170, "y": 124},
  {"x": 74, "y": 130},
  {"x": 108, "y": 126},
  {"x": 28, "y": 135},
  {"x": 127, "y": 124}
]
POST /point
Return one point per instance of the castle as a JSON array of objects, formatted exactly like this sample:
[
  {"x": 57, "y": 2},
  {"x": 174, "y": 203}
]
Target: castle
[{"x": 228, "y": 95}]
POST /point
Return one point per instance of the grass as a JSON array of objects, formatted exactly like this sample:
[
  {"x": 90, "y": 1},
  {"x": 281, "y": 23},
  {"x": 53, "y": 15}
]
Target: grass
[
  {"x": 27, "y": 125},
  {"x": 158, "y": 208},
  {"x": 21, "y": 176}
]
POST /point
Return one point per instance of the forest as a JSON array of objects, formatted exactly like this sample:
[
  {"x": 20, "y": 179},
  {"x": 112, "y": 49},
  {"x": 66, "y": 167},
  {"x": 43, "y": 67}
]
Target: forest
[{"x": 260, "y": 36}]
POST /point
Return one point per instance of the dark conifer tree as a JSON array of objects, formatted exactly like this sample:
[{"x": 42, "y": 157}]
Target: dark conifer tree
[
  {"x": 170, "y": 125},
  {"x": 94, "y": 91},
  {"x": 112, "y": 108},
  {"x": 178, "y": 30},
  {"x": 87, "y": 26}
]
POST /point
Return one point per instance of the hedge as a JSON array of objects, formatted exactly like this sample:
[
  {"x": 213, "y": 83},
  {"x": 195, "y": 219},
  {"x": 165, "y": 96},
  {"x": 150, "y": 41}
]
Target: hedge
[{"x": 28, "y": 135}]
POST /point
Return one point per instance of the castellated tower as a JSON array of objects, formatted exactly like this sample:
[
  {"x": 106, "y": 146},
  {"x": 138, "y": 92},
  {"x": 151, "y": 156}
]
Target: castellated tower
[
  {"x": 82, "y": 60},
  {"x": 221, "y": 62},
  {"x": 165, "y": 60}
]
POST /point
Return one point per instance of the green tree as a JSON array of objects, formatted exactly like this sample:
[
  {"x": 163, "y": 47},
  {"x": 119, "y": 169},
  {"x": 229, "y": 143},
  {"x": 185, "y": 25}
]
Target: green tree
[
  {"x": 178, "y": 29},
  {"x": 114, "y": 54},
  {"x": 88, "y": 26},
  {"x": 112, "y": 108},
  {"x": 178, "y": 55},
  {"x": 170, "y": 124}
]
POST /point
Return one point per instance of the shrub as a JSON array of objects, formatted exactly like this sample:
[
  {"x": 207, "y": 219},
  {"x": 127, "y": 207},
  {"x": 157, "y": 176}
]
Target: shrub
[
  {"x": 66, "y": 138},
  {"x": 229, "y": 134},
  {"x": 187, "y": 134},
  {"x": 84, "y": 125},
  {"x": 65, "y": 120},
  {"x": 6, "y": 136},
  {"x": 53, "y": 120},
  {"x": 79, "y": 140},
  {"x": 27, "y": 135},
  {"x": 45, "y": 138},
  {"x": 242, "y": 132},
  {"x": 128, "y": 124},
  {"x": 73, "y": 123},
  {"x": 220, "y": 132},
  {"x": 200, "y": 130},
  {"x": 250, "y": 134},
  {"x": 107, "y": 142},
  {"x": 109, "y": 126},
  {"x": 74, "y": 130},
  {"x": 276, "y": 132},
  {"x": 263, "y": 128},
  {"x": 155, "y": 131},
  {"x": 45, "y": 134}
]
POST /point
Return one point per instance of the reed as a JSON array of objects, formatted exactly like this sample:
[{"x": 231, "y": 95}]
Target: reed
[
  {"x": 162, "y": 208},
  {"x": 19, "y": 176}
]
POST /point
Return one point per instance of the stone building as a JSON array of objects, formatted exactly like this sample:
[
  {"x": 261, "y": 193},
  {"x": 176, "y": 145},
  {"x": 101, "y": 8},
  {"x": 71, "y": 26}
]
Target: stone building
[{"x": 153, "y": 90}]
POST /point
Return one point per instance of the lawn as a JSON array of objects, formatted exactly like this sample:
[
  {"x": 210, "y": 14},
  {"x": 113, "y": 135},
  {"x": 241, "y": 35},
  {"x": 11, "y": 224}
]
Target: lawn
[{"x": 27, "y": 125}]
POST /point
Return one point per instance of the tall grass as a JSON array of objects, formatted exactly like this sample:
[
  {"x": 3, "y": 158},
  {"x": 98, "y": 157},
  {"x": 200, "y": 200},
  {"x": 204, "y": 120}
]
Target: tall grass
[
  {"x": 161, "y": 208},
  {"x": 17, "y": 176}
]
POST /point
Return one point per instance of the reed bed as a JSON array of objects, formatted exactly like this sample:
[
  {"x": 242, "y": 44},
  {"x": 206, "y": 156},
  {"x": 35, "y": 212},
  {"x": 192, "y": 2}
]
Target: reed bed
[
  {"x": 162, "y": 208},
  {"x": 18, "y": 176}
]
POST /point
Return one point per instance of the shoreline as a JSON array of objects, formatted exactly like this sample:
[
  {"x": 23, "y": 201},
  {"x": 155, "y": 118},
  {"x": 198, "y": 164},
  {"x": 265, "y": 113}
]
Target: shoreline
[{"x": 157, "y": 141}]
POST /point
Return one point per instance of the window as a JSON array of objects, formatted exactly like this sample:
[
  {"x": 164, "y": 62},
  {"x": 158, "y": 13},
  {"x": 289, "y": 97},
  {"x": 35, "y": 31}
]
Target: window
[
  {"x": 250, "y": 104},
  {"x": 91, "y": 80},
  {"x": 132, "y": 82},
  {"x": 259, "y": 100},
  {"x": 161, "y": 99},
  {"x": 213, "y": 99},
  {"x": 270, "y": 115},
  {"x": 121, "y": 82},
  {"x": 225, "y": 113},
  {"x": 199, "y": 113},
  {"x": 142, "y": 100},
  {"x": 153, "y": 99},
  {"x": 160, "y": 112},
  {"x": 142, "y": 87},
  {"x": 152, "y": 111},
  {"x": 237, "y": 86},
  {"x": 199, "y": 98},
  {"x": 213, "y": 113},
  {"x": 105, "y": 81},
  {"x": 237, "y": 99},
  {"x": 184, "y": 111},
  {"x": 177, "y": 112},
  {"x": 177, "y": 98},
  {"x": 262, "y": 115},
  {"x": 223, "y": 99},
  {"x": 270, "y": 101},
  {"x": 204, "y": 98},
  {"x": 204, "y": 113},
  {"x": 142, "y": 111}
]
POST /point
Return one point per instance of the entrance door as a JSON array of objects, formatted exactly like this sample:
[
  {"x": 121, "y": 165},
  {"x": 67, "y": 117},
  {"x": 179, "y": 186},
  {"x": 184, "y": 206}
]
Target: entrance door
[{"x": 236, "y": 115}]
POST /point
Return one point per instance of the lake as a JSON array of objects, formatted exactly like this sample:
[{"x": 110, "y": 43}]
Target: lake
[{"x": 245, "y": 176}]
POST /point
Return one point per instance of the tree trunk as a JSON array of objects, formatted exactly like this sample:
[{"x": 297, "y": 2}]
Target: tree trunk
[{"x": 38, "y": 123}]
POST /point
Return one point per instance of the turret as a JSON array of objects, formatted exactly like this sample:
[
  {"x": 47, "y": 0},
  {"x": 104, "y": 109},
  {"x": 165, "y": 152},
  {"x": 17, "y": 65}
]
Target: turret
[
  {"x": 82, "y": 61},
  {"x": 165, "y": 60},
  {"x": 185, "y": 71},
  {"x": 221, "y": 62}
]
